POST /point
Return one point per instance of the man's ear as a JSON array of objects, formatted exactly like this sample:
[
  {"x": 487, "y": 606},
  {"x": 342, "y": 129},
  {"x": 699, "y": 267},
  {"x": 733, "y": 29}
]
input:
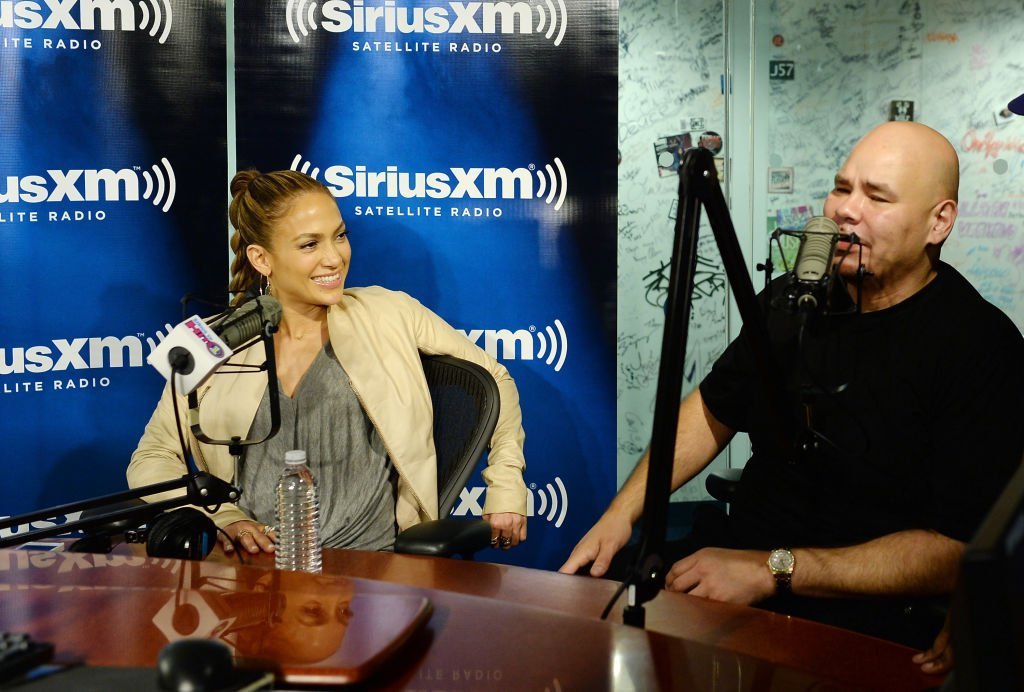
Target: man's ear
[
  {"x": 942, "y": 222},
  {"x": 259, "y": 258}
]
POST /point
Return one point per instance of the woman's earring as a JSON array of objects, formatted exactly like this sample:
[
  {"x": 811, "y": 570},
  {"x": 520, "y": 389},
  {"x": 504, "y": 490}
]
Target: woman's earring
[{"x": 265, "y": 286}]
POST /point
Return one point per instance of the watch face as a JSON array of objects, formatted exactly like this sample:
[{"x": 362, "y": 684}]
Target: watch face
[{"x": 781, "y": 561}]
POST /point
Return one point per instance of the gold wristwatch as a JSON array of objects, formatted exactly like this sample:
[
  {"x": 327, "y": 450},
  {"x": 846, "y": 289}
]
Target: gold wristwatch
[{"x": 781, "y": 562}]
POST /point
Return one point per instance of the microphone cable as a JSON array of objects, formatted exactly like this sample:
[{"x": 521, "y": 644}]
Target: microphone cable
[
  {"x": 828, "y": 391},
  {"x": 190, "y": 465},
  {"x": 185, "y": 452}
]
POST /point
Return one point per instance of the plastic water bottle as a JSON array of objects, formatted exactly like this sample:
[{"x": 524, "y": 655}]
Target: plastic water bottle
[{"x": 298, "y": 517}]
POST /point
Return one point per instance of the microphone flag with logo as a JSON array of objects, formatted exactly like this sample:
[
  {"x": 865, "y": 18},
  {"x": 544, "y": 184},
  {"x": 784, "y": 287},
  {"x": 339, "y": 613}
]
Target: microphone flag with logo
[{"x": 195, "y": 350}]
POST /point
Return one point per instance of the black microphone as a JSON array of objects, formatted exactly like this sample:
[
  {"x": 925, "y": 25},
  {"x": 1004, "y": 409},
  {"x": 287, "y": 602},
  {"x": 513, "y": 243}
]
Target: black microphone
[
  {"x": 194, "y": 350},
  {"x": 248, "y": 320},
  {"x": 813, "y": 267}
]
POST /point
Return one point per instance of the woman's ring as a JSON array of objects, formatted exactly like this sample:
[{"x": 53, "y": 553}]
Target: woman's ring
[
  {"x": 506, "y": 541},
  {"x": 244, "y": 532},
  {"x": 494, "y": 541},
  {"x": 267, "y": 529}
]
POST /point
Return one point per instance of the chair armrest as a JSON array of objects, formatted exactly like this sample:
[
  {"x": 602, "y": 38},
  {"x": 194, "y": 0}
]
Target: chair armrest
[
  {"x": 445, "y": 538},
  {"x": 722, "y": 485}
]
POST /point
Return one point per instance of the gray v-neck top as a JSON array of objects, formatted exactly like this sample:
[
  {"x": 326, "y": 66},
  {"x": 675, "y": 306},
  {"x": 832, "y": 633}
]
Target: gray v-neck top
[{"x": 344, "y": 451}]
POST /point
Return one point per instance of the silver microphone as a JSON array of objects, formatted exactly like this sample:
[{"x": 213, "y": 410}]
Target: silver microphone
[{"x": 814, "y": 260}]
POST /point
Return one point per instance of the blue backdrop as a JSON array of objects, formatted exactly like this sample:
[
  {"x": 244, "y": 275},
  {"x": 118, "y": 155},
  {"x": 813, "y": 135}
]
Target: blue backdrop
[
  {"x": 471, "y": 150},
  {"x": 474, "y": 165},
  {"x": 112, "y": 163}
]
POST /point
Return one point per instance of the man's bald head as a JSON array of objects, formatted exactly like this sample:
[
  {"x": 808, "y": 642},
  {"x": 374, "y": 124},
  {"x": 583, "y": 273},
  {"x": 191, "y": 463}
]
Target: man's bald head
[
  {"x": 897, "y": 192},
  {"x": 926, "y": 156}
]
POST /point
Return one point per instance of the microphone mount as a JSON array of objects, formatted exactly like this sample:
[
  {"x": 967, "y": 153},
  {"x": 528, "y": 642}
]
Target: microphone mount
[
  {"x": 236, "y": 444},
  {"x": 229, "y": 318},
  {"x": 775, "y": 241}
]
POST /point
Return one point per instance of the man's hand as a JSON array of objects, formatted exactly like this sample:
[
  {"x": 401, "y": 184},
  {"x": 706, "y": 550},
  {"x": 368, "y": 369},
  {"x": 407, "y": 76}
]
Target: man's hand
[
  {"x": 734, "y": 576},
  {"x": 938, "y": 659},
  {"x": 599, "y": 546}
]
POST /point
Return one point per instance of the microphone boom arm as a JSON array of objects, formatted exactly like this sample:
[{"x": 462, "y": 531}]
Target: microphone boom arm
[
  {"x": 698, "y": 184},
  {"x": 202, "y": 489}
]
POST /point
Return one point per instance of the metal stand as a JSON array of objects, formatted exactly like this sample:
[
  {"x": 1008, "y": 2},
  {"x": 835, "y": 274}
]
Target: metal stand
[
  {"x": 202, "y": 489},
  {"x": 698, "y": 185}
]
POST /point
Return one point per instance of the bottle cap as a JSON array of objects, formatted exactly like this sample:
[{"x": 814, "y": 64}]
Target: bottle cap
[{"x": 295, "y": 457}]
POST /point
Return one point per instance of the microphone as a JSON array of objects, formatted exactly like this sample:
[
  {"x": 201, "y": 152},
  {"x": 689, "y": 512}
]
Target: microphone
[
  {"x": 247, "y": 321},
  {"x": 195, "y": 350},
  {"x": 813, "y": 266}
]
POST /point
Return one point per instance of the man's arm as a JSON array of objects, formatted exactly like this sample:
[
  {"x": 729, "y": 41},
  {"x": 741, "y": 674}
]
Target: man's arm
[
  {"x": 699, "y": 439},
  {"x": 906, "y": 563}
]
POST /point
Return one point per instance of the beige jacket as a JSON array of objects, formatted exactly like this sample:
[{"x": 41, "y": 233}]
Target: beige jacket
[{"x": 377, "y": 336}]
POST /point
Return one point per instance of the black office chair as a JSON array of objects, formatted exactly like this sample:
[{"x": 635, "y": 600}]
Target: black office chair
[
  {"x": 722, "y": 485},
  {"x": 466, "y": 404}
]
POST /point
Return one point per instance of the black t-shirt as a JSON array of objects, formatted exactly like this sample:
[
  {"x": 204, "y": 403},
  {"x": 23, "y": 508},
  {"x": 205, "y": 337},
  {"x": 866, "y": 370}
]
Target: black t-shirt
[{"x": 916, "y": 411}]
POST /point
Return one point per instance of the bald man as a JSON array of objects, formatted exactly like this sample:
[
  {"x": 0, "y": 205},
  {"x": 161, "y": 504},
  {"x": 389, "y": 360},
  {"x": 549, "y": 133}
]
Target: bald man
[{"x": 913, "y": 412}]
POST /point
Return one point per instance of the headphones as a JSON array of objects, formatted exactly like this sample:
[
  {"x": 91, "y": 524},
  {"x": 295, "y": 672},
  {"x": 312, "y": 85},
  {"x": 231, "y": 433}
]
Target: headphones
[{"x": 186, "y": 534}]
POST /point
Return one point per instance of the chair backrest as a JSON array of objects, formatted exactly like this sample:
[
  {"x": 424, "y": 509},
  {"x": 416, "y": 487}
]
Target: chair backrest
[{"x": 466, "y": 404}]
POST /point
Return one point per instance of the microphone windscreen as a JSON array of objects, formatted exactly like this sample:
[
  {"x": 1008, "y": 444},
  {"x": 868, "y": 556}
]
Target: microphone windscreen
[
  {"x": 817, "y": 246},
  {"x": 248, "y": 320}
]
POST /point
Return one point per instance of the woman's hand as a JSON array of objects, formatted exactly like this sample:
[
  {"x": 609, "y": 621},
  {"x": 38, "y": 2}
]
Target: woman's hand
[
  {"x": 250, "y": 535},
  {"x": 508, "y": 529}
]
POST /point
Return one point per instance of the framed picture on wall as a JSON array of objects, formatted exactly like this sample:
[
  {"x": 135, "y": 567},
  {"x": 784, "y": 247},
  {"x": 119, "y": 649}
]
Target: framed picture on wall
[{"x": 780, "y": 180}]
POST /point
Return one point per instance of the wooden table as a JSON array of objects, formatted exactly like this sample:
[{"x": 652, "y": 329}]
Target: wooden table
[{"x": 488, "y": 626}]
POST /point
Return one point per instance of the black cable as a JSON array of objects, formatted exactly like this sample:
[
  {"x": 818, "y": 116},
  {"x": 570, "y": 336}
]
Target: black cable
[
  {"x": 185, "y": 453},
  {"x": 177, "y": 416},
  {"x": 614, "y": 598},
  {"x": 830, "y": 392}
]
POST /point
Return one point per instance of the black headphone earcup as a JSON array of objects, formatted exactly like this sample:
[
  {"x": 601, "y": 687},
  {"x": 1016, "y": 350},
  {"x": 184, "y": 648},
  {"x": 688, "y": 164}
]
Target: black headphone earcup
[{"x": 185, "y": 534}]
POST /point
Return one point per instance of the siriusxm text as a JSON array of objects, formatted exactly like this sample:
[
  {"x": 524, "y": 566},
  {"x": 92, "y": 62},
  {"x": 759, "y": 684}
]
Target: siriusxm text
[
  {"x": 503, "y": 343},
  {"x": 76, "y": 354},
  {"x": 72, "y": 186},
  {"x": 84, "y": 15},
  {"x": 457, "y": 18},
  {"x": 457, "y": 183}
]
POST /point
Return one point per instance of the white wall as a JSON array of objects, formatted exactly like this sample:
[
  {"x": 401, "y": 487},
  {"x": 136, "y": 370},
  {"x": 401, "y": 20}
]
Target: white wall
[
  {"x": 671, "y": 69},
  {"x": 959, "y": 62}
]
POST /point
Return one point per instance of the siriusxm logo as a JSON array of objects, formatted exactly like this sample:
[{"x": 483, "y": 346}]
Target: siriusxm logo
[
  {"x": 153, "y": 16},
  {"x": 337, "y": 16},
  {"x": 7, "y": 557},
  {"x": 550, "y": 502},
  {"x": 549, "y": 183},
  {"x": 74, "y": 354},
  {"x": 551, "y": 344},
  {"x": 93, "y": 185}
]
